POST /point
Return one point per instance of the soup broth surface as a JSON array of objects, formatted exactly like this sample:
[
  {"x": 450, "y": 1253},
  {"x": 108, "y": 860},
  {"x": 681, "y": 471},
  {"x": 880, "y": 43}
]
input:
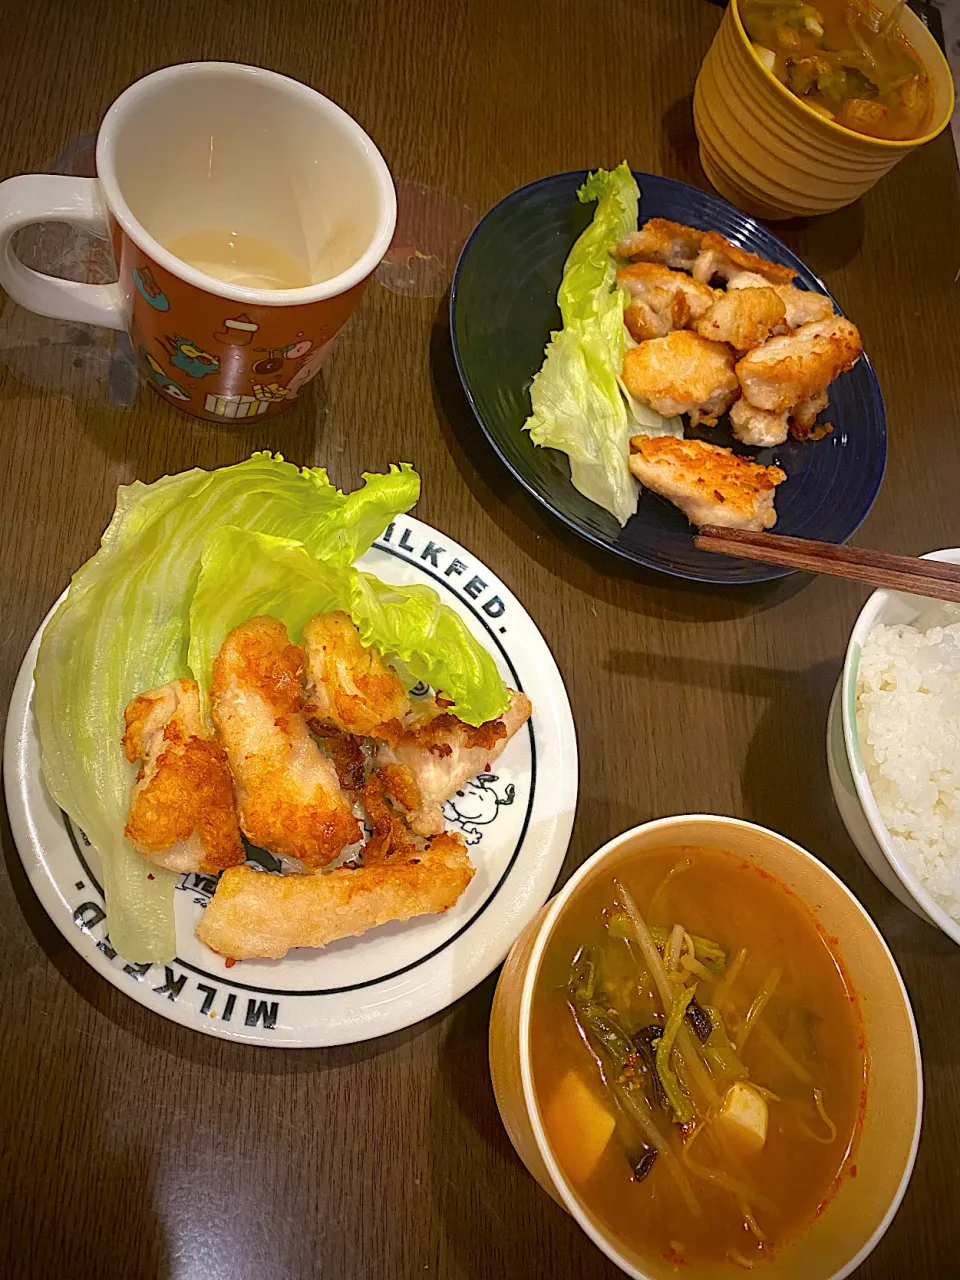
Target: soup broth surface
[
  {"x": 806, "y": 1043},
  {"x": 847, "y": 60}
]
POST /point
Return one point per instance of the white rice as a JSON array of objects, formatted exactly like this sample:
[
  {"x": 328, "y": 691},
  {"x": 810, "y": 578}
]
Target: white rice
[{"x": 908, "y": 720}]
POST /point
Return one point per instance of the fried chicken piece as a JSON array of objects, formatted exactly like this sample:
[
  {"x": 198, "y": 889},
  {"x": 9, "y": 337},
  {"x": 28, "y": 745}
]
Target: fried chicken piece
[
  {"x": 682, "y": 373},
  {"x": 348, "y": 684},
  {"x": 801, "y": 305},
  {"x": 182, "y": 811},
  {"x": 344, "y": 749},
  {"x": 442, "y": 753},
  {"x": 705, "y": 253},
  {"x": 287, "y": 789},
  {"x": 389, "y": 835},
  {"x": 718, "y": 257},
  {"x": 762, "y": 429},
  {"x": 660, "y": 299},
  {"x": 743, "y": 319},
  {"x": 660, "y": 240},
  {"x": 402, "y": 787},
  {"x": 710, "y": 485},
  {"x": 255, "y": 915},
  {"x": 804, "y": 415},
  {"x": 756, "y": 426},
  {"x": 785, "y": 371}
]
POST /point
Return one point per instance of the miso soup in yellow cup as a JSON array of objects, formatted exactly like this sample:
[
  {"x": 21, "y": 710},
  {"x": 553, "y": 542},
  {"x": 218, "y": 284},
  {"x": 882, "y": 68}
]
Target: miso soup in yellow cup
[
  {"x": 702, "y": 1049},
  {"x": 801, "y": 107}
]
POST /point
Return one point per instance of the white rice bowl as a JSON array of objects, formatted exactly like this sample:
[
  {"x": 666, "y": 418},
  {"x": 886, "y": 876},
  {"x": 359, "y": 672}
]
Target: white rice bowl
[{"x": 908, "y": 724}]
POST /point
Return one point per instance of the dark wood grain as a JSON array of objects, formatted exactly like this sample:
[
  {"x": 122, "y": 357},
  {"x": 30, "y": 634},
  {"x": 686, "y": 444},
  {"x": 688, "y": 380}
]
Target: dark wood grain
[{"x": 132, "y": 1148}]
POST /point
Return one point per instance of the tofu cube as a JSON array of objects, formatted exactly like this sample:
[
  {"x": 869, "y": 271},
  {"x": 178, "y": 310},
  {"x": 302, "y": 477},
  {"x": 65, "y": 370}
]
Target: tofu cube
[
  {"x": 743, "y": 1116},
  {"x": 580, "y": 1127}
]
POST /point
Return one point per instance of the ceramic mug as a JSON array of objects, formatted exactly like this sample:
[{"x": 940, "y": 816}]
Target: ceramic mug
[{"x": 244, "y": 172}]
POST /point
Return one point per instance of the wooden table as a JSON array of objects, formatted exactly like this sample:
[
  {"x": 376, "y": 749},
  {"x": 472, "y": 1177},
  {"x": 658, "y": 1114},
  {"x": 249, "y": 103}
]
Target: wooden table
[{"x": 132, "y": 1148}]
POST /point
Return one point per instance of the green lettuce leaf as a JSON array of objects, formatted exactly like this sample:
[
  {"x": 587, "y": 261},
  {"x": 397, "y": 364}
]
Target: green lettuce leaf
[
  {"x": 365, "y": 514},
  {"x": 576, "y": 396},
  {"x": 434, "y": 644},
  {"x": 121, "y": 629},
  {"x": 245, "y": 573}
]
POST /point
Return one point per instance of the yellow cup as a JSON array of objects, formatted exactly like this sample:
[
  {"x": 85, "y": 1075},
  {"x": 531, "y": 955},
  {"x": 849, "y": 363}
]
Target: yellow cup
[
  {"x": 769, "y": 153},
  {"x": 864, "y": 1206}
]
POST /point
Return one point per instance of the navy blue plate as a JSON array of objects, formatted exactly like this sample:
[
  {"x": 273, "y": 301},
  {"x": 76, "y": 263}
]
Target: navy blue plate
[{"x": 503, "y": 307}]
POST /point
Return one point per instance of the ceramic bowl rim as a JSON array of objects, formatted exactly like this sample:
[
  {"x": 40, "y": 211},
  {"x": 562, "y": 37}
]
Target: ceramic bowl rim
[{"x": 864, "y": 624}]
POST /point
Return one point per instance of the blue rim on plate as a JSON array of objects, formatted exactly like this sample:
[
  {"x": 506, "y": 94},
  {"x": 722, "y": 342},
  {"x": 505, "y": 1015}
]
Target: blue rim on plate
[{"x": 503, "y": 307}]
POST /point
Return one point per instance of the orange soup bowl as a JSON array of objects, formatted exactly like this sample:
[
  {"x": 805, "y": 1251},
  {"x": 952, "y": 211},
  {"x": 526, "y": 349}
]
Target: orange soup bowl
[
  {"x": 863, "y": 1206},
  {"x": 769, "y": 153}
]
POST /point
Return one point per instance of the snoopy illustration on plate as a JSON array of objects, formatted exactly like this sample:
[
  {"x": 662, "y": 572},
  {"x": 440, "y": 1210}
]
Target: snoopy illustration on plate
[{"x": 477, "y": 804}]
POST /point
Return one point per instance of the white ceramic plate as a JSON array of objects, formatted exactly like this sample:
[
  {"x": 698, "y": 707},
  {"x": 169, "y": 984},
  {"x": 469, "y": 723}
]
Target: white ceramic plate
[{"x": 516, "y": 819}]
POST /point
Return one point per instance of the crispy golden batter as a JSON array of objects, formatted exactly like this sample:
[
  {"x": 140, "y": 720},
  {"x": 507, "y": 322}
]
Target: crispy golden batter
[
  {"x": 682, "y": 373},
  {"x": 401, "y": 785},
  {"x": 718, "y": 257},
  {"x": 254, "y": 915},
  {"x": 705, "y": 253},
  {"x": 804, "y": 416},
  {"x": 785, "y": 371},
  {"x": 435, "y": 728},
  {"x": 390, "y": 837},
  {"x": 348, "y": 684},
  {"x": 182, "y": 811},
  {"x": 442, "y": 753},
  {"x": 709, "y": 484},
  {"x": 288, "y": 792},
  {"x": 801, "y": 305},
  {"x": 744, "y": 318},
  {"x": 660, "y": 240},
  {"x": 660, "y": 299},
  {"x": 344, "y": 749}
]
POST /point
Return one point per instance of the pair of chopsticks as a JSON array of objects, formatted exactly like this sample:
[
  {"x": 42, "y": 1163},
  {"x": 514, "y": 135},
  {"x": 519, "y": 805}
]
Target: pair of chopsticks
[{"x": 932, "y": 578}]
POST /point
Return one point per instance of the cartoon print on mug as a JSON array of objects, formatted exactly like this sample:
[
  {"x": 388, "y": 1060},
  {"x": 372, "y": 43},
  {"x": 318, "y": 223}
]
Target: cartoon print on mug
[
  {"x": 270, "y": 363},
  {"x": 161, "y": 379},
  {"x": 297, "y": 349},
  {"x": 309, "y": 367},
  {"x": 270, "y": 392},
  {"x": 186, "y": 355},
  {"x": 250, "y": 360},
  {"x": 222, "y": 406},
  {"x": 275, "y": 356},
  {"x": 237, "y": 331},
  {"x": 149, "y": 290}
]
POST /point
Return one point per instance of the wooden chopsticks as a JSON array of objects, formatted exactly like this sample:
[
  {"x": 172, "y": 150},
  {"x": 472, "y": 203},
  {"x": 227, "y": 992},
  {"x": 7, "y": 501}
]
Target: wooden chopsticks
[{"x": 932, "y": 578}]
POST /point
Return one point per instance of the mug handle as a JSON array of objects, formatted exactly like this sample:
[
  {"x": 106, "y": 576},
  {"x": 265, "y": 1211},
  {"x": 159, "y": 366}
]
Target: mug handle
[{"x": 45, "y": 197}]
